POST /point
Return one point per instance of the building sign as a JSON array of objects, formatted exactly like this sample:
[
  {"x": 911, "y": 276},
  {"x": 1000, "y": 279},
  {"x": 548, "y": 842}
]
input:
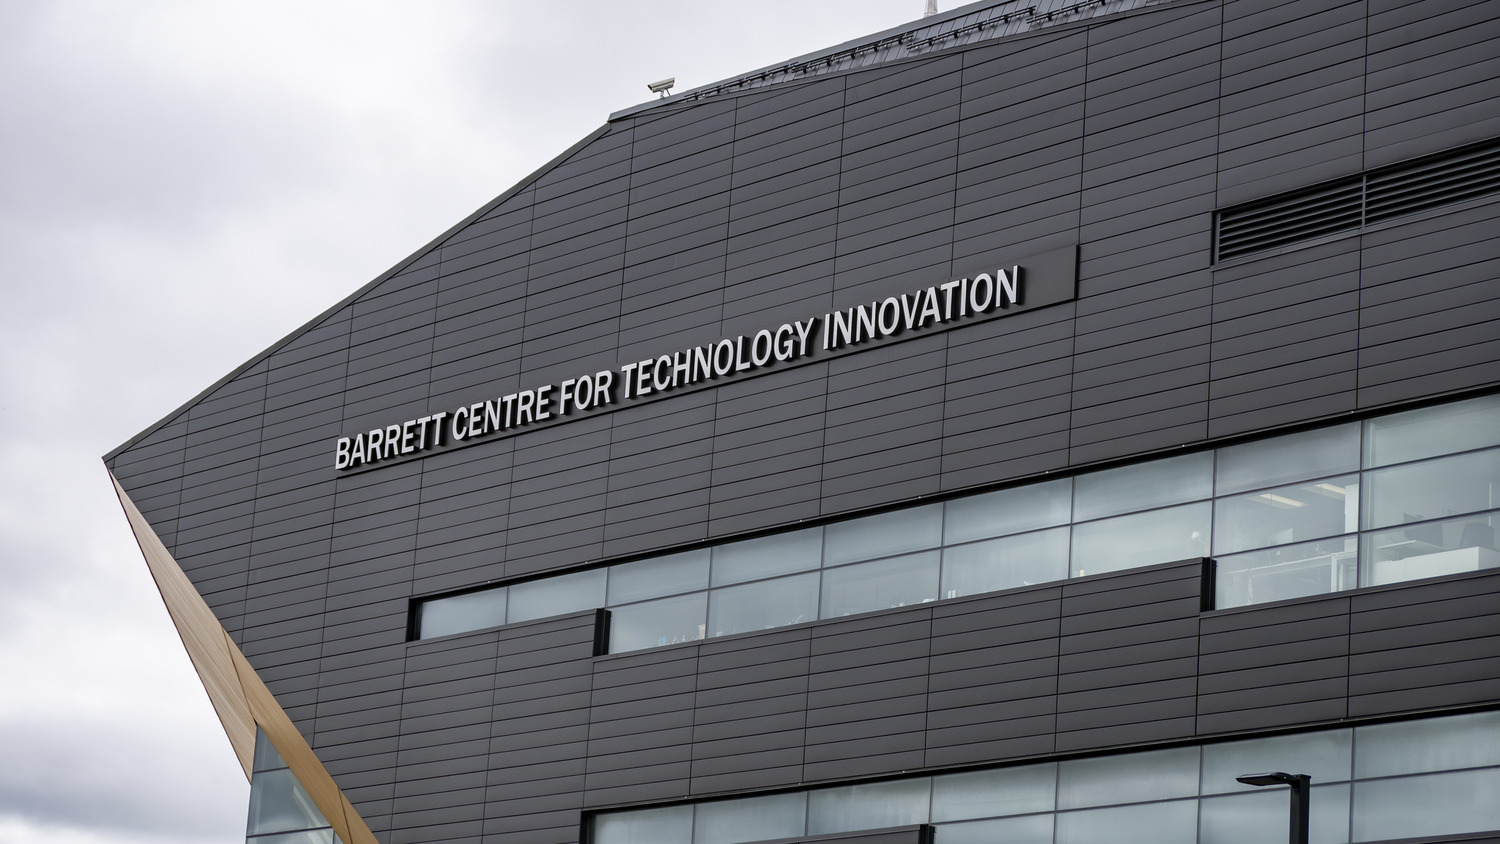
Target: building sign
[{"x": 990, "y": 292}]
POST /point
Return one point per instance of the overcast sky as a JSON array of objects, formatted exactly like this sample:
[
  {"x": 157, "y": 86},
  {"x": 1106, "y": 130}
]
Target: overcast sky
[{"x": 181, "y": 185}]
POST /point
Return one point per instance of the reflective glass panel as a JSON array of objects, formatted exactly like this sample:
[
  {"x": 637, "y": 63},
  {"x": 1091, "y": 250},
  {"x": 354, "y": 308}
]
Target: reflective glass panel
[
  {"x": 266, "y": 757},
  {"x": 873, "y": 806},
  {"x": 879, "y": 585},
  {"x": 1143, "y": 486},
  {"x": 1325, "y": 756},
  {"x": 986, "y": 794},
  {"x": 1430, "y": 549},
  {"x": 1030, "y": 829},
  {"x": 1151, "y": 823},
  {"x": 768, "y": 556},
  {"x": 461, "y": 613},
  {"x": 1005, "y": 563},
  {"x": 1127, "y": 778},
  {"x": 1141, "y": 539},
  {"x": 1431, "y": 744},
  {"x": 1427, "y": 805},
  {"x": 1008, "y": 511},
  {"x": 1431, "y": 431},
  {"x": 1448, "y": 486},
  {"x": 1294, "y": 457},
  {"x": 1291, "y": 571},
  {"x": 750, "y": 819},
  {"x": 556, "y": 595},
  {"x": 656, "y": 577},
  {"x": 1261, "y": 816},
  {"x": 306, "y": 836},
  {"x": 672, "y": 825},
  {"x": 278, "y": 803},
  {"x": 896, "y": 532},
  {"x": 763, "y": 605},
  {"x": 1287, "y": 514},
  {"x": 653, "y": 624}
]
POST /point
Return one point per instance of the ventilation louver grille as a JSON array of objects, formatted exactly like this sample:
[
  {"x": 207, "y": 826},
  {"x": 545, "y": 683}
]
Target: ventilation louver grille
[{"x": 1350, "y": 203}]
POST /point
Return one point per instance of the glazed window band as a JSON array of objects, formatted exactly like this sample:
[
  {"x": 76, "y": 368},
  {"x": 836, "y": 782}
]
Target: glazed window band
[{"x": 1395, "y": 498}]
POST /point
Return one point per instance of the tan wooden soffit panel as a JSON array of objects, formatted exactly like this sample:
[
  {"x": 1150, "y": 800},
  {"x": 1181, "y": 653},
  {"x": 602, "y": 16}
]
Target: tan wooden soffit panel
[{"x": 240, "y": 698}]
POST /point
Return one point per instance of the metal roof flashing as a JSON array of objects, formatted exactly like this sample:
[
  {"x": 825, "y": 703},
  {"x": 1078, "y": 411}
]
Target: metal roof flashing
[{"x": 983, "y": 21}]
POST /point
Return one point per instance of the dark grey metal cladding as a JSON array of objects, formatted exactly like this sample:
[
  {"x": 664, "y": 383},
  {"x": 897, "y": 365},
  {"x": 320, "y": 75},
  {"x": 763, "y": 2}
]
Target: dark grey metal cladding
[
  {"x": 1102, "y": 662},
  {"x": 675, "y": 226},
  {"x": 1429, "y": 646},
  {"x": 1429, "y": 305},
  {"x": 1141, "y": 351},
  {"x": 1285, "y": 338},
  {"x": 1294, "y": 90},
  {"x": 1431, "y": 78},
  {"x": 750, "y": 713},
  {"x": 1127, "y": 669}
]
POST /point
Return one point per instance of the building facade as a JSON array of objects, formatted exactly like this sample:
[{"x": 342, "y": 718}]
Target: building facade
[{"x": 1009, "y": 427}]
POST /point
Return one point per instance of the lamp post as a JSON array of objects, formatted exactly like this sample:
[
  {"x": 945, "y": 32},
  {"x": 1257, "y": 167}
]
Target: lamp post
[{"x": 1301, "y": 790}]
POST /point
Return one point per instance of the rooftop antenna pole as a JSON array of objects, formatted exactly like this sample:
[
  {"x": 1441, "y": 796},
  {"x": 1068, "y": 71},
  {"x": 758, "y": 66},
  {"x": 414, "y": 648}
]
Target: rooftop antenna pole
[{"x": 931, "y": 9}]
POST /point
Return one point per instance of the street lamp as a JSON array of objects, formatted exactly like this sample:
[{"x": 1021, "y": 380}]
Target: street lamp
[{"x": 1300, "y": 785}]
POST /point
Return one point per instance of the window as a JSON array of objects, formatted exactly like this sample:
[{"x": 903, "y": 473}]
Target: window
[
  {"x": 461, "y": 613},
  {"x": 281, "y": 812},
  {"x": 1397, "y": 497},
  {"x": 1416, "y": 779}
]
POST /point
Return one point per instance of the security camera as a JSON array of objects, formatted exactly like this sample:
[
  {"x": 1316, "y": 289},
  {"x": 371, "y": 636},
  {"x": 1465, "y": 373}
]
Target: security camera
[{"x": 663, "y": 86}]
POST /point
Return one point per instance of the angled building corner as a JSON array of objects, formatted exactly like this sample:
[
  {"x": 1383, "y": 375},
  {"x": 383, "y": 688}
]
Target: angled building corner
[{"x": 243, "y": 703}]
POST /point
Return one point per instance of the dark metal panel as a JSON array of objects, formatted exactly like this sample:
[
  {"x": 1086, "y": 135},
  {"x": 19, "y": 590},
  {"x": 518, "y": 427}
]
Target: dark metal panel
[
  {"x": 860, "y": 718},
  {"x": 543, "y": 661},
  {"x": 488, "y": 240},
  {"x": 1442, "y": 345},
  {"x": 580, "y": 181},
  {"x": 1032, "y": 69},
  {"x": 392, "y": 300},
  {"x": 915, "y": 80},
  {"x": 640, "y": 726},
  {"x": 807, "y": 126},
  {"x": 467, "y": 290},
  {"x": 1136, "y": 619},
  {"x": 660, "y": 465},
  {"x": 802, "y": 192},
  {"x": 873, "y": 110},
  {"x": 689, "y": 152},
  {"x": 329, "y": 338},
  {"x": 914, "y": 136},
  {"x": 757, "y": 171},
  {"x": 992, "y": 693},
  {"x": 1119, "y": 38},
  {"x": 884, "y": 423},
  {"x": 462, "y": 341},
  {"x": 706, "y": 205},
  {"x": 750, "y": 711}
]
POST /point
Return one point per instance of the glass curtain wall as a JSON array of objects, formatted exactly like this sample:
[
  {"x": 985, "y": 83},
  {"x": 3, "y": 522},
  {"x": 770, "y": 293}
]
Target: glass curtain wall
[
  {"x": 1438, "y": 776},
  {"x": 1398, "y": 497},
  {"x": 281, "y": 812}
]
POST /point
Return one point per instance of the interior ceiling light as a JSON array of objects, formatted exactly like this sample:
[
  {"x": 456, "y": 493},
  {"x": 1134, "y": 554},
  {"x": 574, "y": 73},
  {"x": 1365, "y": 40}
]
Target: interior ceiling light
[{"x": 1280, "y": 501}]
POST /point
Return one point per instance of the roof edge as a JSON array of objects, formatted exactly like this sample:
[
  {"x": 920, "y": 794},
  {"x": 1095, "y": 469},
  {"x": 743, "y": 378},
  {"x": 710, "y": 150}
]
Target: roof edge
[
  {"x": 861, "y": 41},
  {"x": 352, "y": 297}
]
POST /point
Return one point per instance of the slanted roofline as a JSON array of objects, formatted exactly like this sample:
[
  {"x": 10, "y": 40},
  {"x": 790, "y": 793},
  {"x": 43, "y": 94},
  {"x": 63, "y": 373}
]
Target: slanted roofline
[
  {"x": 352, "y": 297},
  {"x": 986, "y": 20}
]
